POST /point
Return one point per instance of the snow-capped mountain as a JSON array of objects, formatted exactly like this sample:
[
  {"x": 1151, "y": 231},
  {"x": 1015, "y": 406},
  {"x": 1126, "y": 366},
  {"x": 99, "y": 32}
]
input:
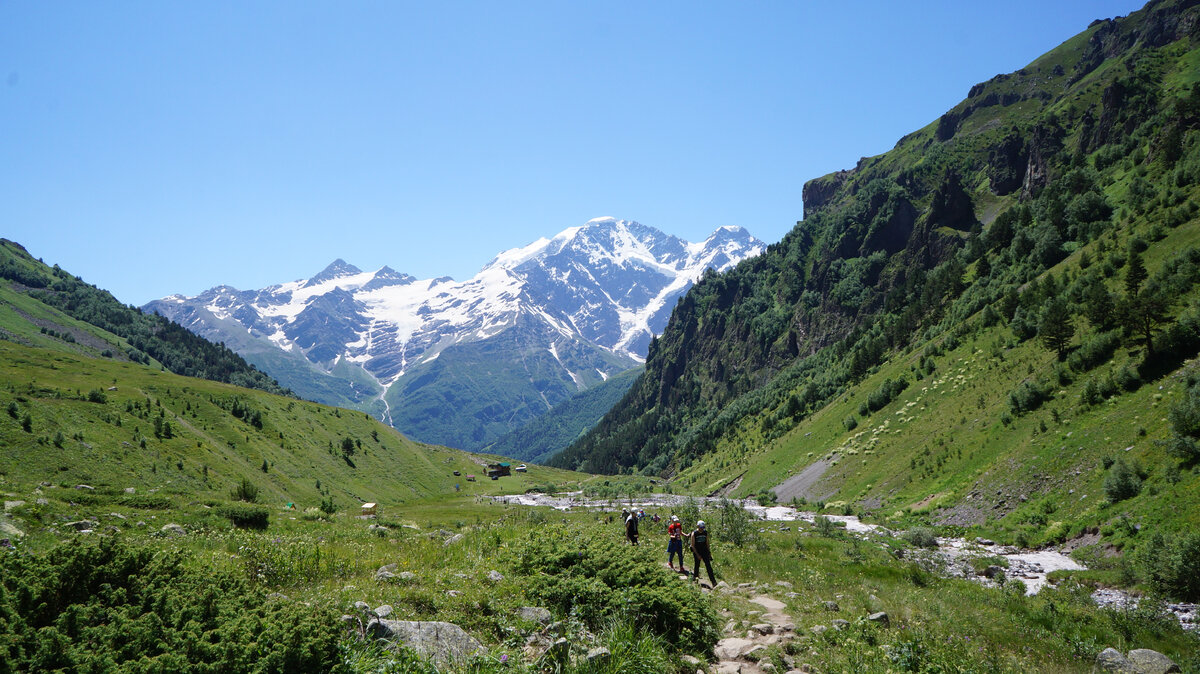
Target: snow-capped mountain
[{"x": 460, "y": 363}]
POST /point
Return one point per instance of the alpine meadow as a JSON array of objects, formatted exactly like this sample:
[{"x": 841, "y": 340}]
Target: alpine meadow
[{"x": 950, "y": 422}]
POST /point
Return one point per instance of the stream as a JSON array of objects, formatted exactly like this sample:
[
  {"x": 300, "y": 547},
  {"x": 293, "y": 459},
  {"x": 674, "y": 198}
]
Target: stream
[{"x": 1031, "y": 567}]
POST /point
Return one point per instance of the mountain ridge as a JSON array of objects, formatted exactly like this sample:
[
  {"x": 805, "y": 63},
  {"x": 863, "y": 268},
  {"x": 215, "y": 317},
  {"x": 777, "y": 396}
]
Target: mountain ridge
[{"x": 601, "y": 290}]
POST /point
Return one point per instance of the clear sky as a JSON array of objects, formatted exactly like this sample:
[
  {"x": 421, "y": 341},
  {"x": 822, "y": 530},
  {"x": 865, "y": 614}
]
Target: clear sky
[{"x": 163, "y": 147}]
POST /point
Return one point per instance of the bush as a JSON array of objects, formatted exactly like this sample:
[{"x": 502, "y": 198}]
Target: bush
[
  {"x": 735, "y": 524},
  {"x": 244, "y": 515},
  {"x": 91, "y": 607},
  {"x": 1172, "y": 569},
  {"x": 245, "y": 491},
  {"x": 921, "y": 537},
  {"x": 1123, "y": 481},
  {"x": 598, "y": 580},
  {"x": 1027, "y": 397},
  {"x": 1095, "y": 351}
]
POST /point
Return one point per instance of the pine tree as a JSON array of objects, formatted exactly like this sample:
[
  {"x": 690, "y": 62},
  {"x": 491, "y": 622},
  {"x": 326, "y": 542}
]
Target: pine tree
[
  {"x": 1056, "y": 326},
  {"x": 1135, "y": 273}
]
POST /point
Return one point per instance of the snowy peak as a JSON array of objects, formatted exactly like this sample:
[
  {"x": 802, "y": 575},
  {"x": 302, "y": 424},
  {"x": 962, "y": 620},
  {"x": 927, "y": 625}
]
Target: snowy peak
[
  {"x": 589, "y": 299},
  {"x": 339, "y": 268}
]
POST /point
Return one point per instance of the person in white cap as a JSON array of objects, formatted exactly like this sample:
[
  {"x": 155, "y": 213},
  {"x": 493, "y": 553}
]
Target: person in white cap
[
  {"x": 700, "y": 551},
  {"x": 675, "y": 544}
]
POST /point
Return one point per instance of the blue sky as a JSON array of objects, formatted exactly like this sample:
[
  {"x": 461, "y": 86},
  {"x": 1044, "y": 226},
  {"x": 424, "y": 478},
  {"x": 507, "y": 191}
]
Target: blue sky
[{"x": 154, "y": 148}]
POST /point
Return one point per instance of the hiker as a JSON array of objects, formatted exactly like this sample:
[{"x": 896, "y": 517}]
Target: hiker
[
  {"x": 675, "y": 544},
  {"x": 631, "y": 527},
  {"x": 700, "y": 551}
]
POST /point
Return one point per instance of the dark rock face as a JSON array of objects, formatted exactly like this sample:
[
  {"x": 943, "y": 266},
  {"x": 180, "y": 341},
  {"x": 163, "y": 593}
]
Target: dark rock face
[{"x": 1007, "y": 162}]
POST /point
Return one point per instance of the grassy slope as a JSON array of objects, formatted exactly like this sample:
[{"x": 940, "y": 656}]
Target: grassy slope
[
  {"x": 943, "y": 447},
  {"x": 210, "y": 449}
]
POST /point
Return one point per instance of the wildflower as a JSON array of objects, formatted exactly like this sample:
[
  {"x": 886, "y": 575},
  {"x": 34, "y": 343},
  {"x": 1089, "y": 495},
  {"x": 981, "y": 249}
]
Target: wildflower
[{"x": 504, "y": 658}]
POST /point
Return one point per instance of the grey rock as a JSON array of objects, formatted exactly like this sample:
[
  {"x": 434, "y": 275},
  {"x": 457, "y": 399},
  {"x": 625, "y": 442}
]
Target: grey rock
[
  {"x": 832, "y": 606},
  {"x": 818, "y": 630},
  {"x": 691, "y": 660},
  {"x": 42, "y": 501},
  {"x": 764, "y": 628},
  {"x": 10, "y": 530},
  {"x": 755, "y": 653},
  {"x": 993, "y": 571},
  {"x": 453, "y": 593},
  {"x": 453, "y": 539},
  {"x": 173, "y": 530},
  {"x": 840, "y": 624},
  {"x": 85, "y": 487},
  {"x": 1151, "y": 662},
  {"x": 599, "y": 656},
  {"x": 559, "y": 651},
  {"x": 348, "y": 619},
  {"x": 495, "y": 576},
  {"x": 130, "y": 490},
  {"x": 9, "y": 505},
  {"x": 783, "y": 583},
  {"x": 535, "y": 614},
  {"x": 84, "y": 525},
  {"x": 439, "y": 641},
  {"x": 277, "y": 595},
  {"x": 879, "y": 618},
  {"x": 1111, "y": 660},
  {"x": 384, "y": 611}
]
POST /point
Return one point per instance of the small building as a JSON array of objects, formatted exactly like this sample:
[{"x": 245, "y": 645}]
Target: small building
[
  {"x": 368, "y": 509},
  {"x": 499, "y": 469}
]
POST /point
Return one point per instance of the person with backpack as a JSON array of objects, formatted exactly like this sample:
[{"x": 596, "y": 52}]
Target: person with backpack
[
  {"x": 675, "y": 544},
  {"x": 631, "y": 527},
  {"x": 701, "y": 552}
]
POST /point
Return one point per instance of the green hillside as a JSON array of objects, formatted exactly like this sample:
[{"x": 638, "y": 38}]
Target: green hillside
[
  {"x": 550, "y": 433},
  {"x": 115, "y": 425},
  {"x": 981, "y": 320},
  {"x": 140, "y": 337}
]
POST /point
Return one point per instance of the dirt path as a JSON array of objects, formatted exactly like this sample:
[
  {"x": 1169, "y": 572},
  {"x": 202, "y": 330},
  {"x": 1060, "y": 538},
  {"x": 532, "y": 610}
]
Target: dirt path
[
  {"x": 743, "y": 650},
  {"x": 797, "y": 486}
]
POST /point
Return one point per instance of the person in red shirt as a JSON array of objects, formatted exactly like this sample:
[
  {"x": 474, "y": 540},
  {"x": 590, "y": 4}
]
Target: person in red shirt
[{"x": 675, "y": 543}]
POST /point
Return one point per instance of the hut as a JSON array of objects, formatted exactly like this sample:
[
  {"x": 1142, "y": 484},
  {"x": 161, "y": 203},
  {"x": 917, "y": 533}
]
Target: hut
[
  {"x": 495, "y": 470},
  {"x": 368, "y": 509}
]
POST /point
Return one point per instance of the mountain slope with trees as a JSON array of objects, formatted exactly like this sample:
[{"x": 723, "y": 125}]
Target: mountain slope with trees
[
  {"x": 143, "y": 338},
  {"x": 1017, "y": 208}
]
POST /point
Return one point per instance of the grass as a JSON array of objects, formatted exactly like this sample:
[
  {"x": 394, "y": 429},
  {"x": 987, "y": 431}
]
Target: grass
[{"x": 331, "y": 563}]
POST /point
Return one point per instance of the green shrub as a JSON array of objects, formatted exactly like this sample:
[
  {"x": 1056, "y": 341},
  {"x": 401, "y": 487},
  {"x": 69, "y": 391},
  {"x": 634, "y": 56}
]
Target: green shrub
[
  {"x": 107, "y": 606},
  {"x": 921, "y": 537},
  {"x": 1027, "y": 397},
  {"x": 1172, "y": 569},
  {"x": 598, "y": 579},
  {"x": 735, "y": 524},
  {"x": 1122, "y": 481},
  {"x": 245, "y": 491},
  {"x": 244, "y": 515}
]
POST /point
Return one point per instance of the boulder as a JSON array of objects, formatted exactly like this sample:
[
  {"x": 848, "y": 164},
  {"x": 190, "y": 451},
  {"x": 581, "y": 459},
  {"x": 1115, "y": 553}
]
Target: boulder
[
  {"x": 453, "y": 539},
  {"x": 10, "y": 530},
  {"x": 840, "y": 624},
  {"x": 535, "y": 614},
  {"x": 763, "y": 628},
  {"x": 9, "y": 505},
  {"x": 993, "y": 571},
  {"x": 495, "y": 576},
  {"x": 832, "y": 606},
  {"x": 818, "y": 630},
  {"x": 384, "y": 611},
  {"x": 441, "y": 642},
  {"x": 599, "y": 656},
  {"x": 1111, "y": 660},
  {"x": 731, "y": 648},
  {"x": 174, "y": 530},
  {"x": 1151, "y": 662},
  {"x": 85, "y": 487},
  {"x": 880, "y": 618},
  {"x": 130, "y": 490},
  {"x": 84, "y": 525}
]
